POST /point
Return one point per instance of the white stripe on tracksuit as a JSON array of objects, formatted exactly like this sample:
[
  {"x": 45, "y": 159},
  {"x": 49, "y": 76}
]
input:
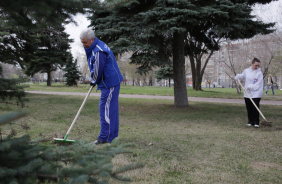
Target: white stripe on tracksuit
[
  {"x": 107, "y": 108},
  {"x": 99, "y": 48},
  {"x": 95, "y": 74}
]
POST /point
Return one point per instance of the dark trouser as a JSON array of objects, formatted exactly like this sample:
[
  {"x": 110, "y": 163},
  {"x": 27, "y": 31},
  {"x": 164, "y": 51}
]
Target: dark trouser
[
  {"x": 253, "y": 114},
  {"x": 267, "y": 88}
]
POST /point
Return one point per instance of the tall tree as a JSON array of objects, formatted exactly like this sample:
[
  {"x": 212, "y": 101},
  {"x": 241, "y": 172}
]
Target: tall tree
[
  {"x": 25, "y": 27},
  {"x": 27, "y": 161},
  {"x": 165, "y": 73},
  {"x": 221, "y": 20},
  {"x": 52, "y": 52},
  {"x": 10, "y": 89},
  {"x": 23, "y": 19},
  {"x": 159, "y": 29},
  {"x": 72, "y": 74}
]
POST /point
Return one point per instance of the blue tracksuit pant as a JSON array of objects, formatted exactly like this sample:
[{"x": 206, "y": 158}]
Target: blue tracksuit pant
[{"x": 109, "y": 115}]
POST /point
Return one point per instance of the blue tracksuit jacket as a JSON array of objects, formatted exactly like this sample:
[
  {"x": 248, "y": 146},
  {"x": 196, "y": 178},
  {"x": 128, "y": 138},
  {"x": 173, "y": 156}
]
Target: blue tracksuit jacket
[{"x": 106, "y": 74}]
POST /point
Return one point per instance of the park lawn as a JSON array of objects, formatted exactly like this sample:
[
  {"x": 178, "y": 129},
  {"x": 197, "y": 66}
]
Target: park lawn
[
  {"x": 154, "y": 90},
  {"x": 203, "y": 143}
]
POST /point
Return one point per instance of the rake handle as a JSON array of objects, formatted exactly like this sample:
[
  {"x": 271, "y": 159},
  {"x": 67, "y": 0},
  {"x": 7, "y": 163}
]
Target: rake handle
[
  {"x": 82, "y": 105},
  {"x": 252, "y": 100}
]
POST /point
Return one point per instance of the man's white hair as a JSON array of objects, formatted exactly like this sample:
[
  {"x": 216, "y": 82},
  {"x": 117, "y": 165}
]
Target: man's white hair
[{"x": 88, "y": 33}]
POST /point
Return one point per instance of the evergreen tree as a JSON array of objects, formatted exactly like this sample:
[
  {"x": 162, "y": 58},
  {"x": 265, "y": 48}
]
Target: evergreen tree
[
  {"x": 26, "y": 161},
  {"x": 224, "y": 20},
  {"x": 159, "y": 29},
  {"x": 22, "y": 20},
  {"x": 51, "y": 53},
  {"x": 23, "y": 24},
  {"x": 12, "y": 89},
  {"x": 72, "y": 74},
  {"x": 164, "y": 73}
]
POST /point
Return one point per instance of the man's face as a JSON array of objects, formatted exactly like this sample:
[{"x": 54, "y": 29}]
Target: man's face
[
  {"x": 255, "y": 66},
  {"x": 87, "y": 43}
]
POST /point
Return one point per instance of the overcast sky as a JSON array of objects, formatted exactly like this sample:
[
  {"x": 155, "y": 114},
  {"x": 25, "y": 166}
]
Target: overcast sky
[
  {"x": 74, "y": 32},
  {"x": 268, "y": 13}
]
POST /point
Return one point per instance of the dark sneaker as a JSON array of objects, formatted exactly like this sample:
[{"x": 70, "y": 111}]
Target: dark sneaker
[{"x": 98, "y": 141}]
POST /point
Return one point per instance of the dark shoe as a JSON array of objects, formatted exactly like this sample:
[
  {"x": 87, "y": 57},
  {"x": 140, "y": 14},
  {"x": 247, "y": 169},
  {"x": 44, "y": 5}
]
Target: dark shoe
[{"x": 98, "y": 141}]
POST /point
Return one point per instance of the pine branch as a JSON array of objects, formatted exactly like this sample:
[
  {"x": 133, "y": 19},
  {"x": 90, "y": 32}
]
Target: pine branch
[
  {"x": 76, "y": 163},
  {"x": 117, "y": 4},
  {"x": 7, "y": 118},
  {"x": 49, "y": 177}
]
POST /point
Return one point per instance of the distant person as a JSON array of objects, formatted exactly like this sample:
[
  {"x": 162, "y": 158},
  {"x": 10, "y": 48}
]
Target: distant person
[
  {"x": 106, "y": 75},
  {"x": 254, "y": 87},
  {"x": 209, "y": 83},
  {"x": 269, "y": 84}
]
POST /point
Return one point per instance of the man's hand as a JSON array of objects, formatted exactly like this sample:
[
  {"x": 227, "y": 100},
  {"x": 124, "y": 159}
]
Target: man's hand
[{"x": 92, "y": 84}]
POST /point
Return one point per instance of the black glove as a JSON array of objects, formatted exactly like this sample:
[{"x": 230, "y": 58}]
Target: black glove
[{"x": 92, "y": 84}]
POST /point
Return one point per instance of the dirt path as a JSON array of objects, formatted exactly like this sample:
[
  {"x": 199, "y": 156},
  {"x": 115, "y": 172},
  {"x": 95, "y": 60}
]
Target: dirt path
[{"x": 196, "y": 99}]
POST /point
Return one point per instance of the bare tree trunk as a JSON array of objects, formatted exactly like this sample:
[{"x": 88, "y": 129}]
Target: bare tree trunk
[
  {"x": 265, "y": 72},
  {"x": 198, "y": 79},
  {"x": 150, "y": 81},
  {"x": 180, "y": 91},
  {"x": 193, "y": 70},
  {"x": 49, "y": 78},
  {"x": 230, "y": 68},
  {"x": 201, "y": 70},
  {"x": 196, "y": 62},
  {"x": 238, "y": 87}
]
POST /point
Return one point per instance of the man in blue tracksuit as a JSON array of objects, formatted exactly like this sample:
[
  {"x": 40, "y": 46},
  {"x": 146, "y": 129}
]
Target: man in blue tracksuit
[{"x": 106, "y": 75}]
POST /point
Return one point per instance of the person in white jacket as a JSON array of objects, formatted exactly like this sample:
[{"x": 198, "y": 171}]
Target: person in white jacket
[{"x": 254, "y": 87}]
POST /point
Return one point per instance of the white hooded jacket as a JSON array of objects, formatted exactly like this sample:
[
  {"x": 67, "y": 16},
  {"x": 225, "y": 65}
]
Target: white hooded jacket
[{"x": 253, "y": 82}]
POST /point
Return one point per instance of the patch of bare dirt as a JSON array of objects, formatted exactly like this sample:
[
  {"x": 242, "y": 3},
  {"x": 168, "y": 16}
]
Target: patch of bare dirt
[{"x": 265, "y": 166}]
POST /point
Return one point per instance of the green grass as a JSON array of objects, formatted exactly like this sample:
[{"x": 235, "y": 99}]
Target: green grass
[
  {"x": 154, "y": 90},
  {"x": 203, "y": 143}
]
